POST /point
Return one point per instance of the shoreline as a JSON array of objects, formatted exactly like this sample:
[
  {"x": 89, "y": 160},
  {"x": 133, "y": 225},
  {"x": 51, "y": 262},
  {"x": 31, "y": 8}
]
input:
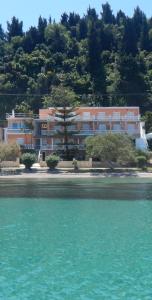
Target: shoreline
[{"x": 66, "y": 175}]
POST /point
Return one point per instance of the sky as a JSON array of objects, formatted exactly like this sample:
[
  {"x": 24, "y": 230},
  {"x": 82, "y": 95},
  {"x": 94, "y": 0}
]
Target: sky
[{"x": 29, "y": 10}]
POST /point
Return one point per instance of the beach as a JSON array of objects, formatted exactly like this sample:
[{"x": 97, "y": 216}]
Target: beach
[{"x": 66, "y": 174}]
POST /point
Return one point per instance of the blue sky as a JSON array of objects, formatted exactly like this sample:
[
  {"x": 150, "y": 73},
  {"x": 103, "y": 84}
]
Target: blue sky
[{"x": 29, "y": 10}]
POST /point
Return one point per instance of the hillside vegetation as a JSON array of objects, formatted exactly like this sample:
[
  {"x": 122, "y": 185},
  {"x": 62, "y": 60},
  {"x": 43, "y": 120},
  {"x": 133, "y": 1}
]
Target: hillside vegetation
[{"x": 104, "y": 59}]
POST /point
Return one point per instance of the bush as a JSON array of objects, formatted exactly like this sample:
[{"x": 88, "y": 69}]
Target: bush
[
  {"x": 111, "y": 148},
  {"x": 28, "y": 160},
  {"x": 9, "y": 152},
  {"x": 143, "y": 153},
  {"x": 52, "y": 161},
  {"x": 141, "y": 161}
]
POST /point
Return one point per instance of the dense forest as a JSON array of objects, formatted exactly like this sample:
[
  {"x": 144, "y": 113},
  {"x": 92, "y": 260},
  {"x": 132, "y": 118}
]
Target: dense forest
[{"x": 105, "y": 59}]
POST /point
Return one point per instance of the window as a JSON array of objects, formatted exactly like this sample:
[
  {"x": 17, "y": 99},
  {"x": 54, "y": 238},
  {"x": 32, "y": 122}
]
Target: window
[
  {"x": 56, "y": 141},
  {"x": 44, "y": 141},
  {"x": 20, "y": 141},
  {"x": 116, "y": 115},
  {"x": 131, "y": 127},
  {"x": 57, "y": 127},
  {"x": 86, "y": 115},
  {"x": 130, "y": 115},
  {"x": 15, "y": 125},
  {"x": 116, "y": 127},
  {"x": 71, "y": 127},
  {"x": 101, "y": 116},
  {"x": 102, "y": 127},
  {"x": 86, "y": 127}
]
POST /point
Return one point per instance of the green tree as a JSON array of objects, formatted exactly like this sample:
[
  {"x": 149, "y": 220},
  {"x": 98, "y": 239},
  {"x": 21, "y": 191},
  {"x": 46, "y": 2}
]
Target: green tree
[
  {"x": 42, "y": 24},
  {"x": 144, "y": 42},
  {"x": 82, "y": 29},
  {"x": 147, "y": 118},
  {"x": 23, "y": 107},
  {"x": 130, "y": 84},
  {"x": 9, "y": 152},
  {"x": 120, "y": 18},
  {"x": 28, "y": 159},
  {"x": 14, "y": 28},
  {"x": 31, "y": 39},
  {"x": 73, "y": 19},
  {"x": 111, "y": 148},
  {"x": 61, "y": 96},
  {"x": 92, "y": 15},
  {"x": 64, "y": 19},
  {"x": 94, "y": 55},
  {"x": 95, "y": 65},
  {"x": 2, "y": 34},
  {"x": 65, "y": 102},
  {"x": 57, "y": 37},
  {"x": 138, "y": 21},
  {"x": 64, "y": 117},
  {"x": 52, "y": 161},
  {"x": 129, "y": 41},
  {"x": 107, "y": 15}
]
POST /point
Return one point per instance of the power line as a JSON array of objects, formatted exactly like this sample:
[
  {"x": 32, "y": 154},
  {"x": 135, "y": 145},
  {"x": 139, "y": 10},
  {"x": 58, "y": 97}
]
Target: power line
[{"x": 82, "y": 95}]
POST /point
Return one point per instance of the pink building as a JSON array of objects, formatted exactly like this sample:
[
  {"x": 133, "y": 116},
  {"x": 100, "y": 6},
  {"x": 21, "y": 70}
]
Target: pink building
[{"x": 87, "y": 122}]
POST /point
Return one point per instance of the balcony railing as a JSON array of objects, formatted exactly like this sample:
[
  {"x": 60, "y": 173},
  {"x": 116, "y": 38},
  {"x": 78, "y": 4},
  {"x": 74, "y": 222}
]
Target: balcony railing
[
  {"x": 48, "y": 132},
  {"x": 18, "y": 131},
  {"x": 96, "y": 132},
  {"x": 61, "y": 147},
  {"x": 21, "y": 116},
  {"x": 97, "y": 118},
  {"x": 30, "y": 147},
  {"x": 55, "y": 131},
  {"x": 108, "y": 118},
  {"x": 93, "y": 132}
]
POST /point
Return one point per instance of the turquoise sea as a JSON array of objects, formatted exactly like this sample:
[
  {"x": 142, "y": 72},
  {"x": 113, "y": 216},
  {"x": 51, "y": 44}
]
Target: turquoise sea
[{"x": 87, "y": 239}]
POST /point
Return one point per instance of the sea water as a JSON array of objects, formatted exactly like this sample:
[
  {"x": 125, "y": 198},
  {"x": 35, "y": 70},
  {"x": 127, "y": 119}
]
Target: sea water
[{"x": 84, "y": 239}]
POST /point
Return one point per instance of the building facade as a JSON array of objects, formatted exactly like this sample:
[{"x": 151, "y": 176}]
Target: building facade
[{"x": 40, "y": 132}]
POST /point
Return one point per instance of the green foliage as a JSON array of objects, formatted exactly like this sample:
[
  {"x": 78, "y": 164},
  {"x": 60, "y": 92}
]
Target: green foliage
[
  {"x": 147, "y": 118},
  {"x": 111, "y": 148},
  {"x": 52, "y": 161},
  {"x": 57, "y": 37},
  {"x": 65, "y": 101},
  {"x": 61, "y": 96},
  {"x": 141, "y": 161},
  {"x": 15, "y": 28},
  {"x": 75, "y": 164},
  {"x": 23, "y": 107},
  {"x": 95, "y": 65},
  {"x": 9, "y": 152},
  {"x": 28, "y": 160},
  {"x": 107, "y": 16},
  {"x": 100, "y": 59}
]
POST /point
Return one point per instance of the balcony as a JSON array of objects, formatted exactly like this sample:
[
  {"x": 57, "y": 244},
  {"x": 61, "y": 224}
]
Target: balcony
[
  {"x": 29, "y": 147},
  {"x": 100, "y": 131},
  {"x": 48, "y": 132},
  {"x": 88, "y": 132},
  {"x": 61, "y": 147},
  {"x": 96, "y": 118},
  {"x": 18, "y": 131},
  {"x": 108, "y": 119},
  {"x": 14, "y": 115}
]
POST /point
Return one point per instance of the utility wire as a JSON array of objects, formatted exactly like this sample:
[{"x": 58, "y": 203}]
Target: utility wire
[{"x": 83, "y": 95}]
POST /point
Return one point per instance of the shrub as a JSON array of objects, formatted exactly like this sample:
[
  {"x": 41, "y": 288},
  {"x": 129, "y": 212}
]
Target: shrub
[
  {"x": 9, "y": 152},
  {"x": 28, "y": 160},
  {"x": 111, "y": 148},
  {"x": 141, "y": 161},
  {"x": 52, "y": 161}
]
